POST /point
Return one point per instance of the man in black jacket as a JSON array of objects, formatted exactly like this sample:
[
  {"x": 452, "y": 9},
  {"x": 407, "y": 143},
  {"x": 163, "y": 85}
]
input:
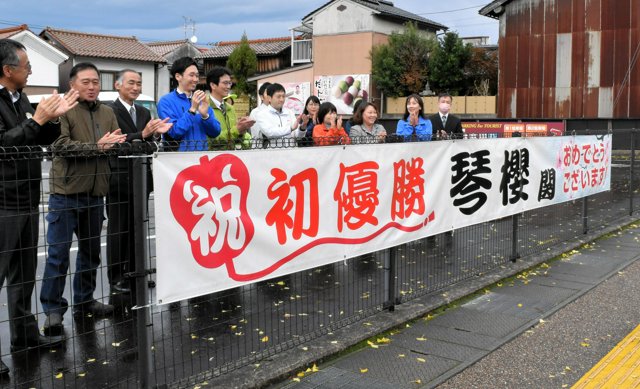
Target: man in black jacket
[
  {"x": 445, "y": 125},
  {"x": 22, "y": 131},
  {"x": 134, "y": 121}
]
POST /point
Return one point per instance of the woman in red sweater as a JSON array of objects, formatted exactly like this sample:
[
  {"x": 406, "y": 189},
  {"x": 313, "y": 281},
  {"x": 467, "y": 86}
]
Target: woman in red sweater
[{"x": 329, "y": 131}]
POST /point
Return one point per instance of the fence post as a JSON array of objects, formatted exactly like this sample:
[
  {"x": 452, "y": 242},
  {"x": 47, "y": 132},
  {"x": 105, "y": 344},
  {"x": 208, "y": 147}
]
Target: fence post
[
  {"x": 631, "y": 171},
  {"x": 585, "y": 208},
  {"x": 390, "y": 277},
  {"x": 138, "y": 168},
  {"x": 514, "y": 238}
]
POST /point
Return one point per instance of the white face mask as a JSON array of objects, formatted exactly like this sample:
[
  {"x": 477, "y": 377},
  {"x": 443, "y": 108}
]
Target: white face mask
[{"x": 445, "y": 107}]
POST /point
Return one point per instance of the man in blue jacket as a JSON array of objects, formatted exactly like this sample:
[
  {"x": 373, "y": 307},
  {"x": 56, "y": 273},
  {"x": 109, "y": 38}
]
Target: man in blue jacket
[{"x": 188, "y": 109}]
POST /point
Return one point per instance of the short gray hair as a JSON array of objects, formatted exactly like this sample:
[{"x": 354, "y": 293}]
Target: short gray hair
[
  {"x": 9, "y": 53},
  {"x": 121, "y": 73}
]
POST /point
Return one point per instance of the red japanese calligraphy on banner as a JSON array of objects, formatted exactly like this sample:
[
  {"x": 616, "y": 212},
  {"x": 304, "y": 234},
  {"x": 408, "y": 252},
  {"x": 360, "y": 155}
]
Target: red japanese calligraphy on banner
[
  {"x": 584, "y": 165},
  {"x": 223, "y": 220},
  {"x": 209, "y": 200}
]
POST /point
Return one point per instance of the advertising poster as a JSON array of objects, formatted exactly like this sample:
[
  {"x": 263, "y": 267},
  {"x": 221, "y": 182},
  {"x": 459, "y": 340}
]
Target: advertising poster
[
  {"x": 343, "y": 91},
  {"x": 481, "y": 130},
  {"x": 296, "y": 94}
]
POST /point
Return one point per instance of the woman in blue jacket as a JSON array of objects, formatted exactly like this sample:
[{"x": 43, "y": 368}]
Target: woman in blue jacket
[{"x": 413, "y": 126}]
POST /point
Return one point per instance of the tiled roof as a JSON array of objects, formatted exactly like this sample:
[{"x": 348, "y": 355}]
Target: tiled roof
[
  {"x": 268, "y": 46},
  {"x": 101, "y": 46},
  {"x": 165, "y": 47},
  {"x": 11, "y": 31},
  {"x": 386, "y": 8}
]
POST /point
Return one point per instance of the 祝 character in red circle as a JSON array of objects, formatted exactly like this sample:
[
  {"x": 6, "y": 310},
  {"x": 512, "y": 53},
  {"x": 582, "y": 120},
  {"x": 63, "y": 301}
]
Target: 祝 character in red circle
[{"x": 209, "y": 201}]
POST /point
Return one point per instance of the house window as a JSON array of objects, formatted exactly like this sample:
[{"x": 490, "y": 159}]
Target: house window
[{"x": 106, "y": 80}]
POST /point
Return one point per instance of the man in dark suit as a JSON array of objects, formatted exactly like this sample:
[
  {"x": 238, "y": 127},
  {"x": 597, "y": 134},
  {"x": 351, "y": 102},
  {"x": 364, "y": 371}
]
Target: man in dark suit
[
  {"x": 136, "y": 123},
  {"x": 445, "y": 125},
  {"x": 22, "y": 131}
]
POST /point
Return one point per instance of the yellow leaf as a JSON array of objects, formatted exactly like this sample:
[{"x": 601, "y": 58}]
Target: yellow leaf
[
  {"x": 401, "y": 355},
  {"x": 567, "y": 368},
  {"x": 364, "y": 370},
  {"x": 91, "y": 360},
  {"x": 370, "y": 343},
  {"x": 281, "y": 283},
  {"x": 305, "y": 348},
  {"x": 296, "y": 379},
  {"x": 421, "y": 360},
  {"x": 116, "y": 344},
  {"x": 519, "y": 305},
  {"x": 383, "y": 340},
  {"x": 418, "y": 381},
  {"x": 314, "y": 368},
  {"x": 59, "y": 375},
  {"x": 368, "y": 324},
  {"x": 308, "y": 370},
  {"x": 421, "y": 339},
  {"x": 584, "y": 344},
  {"x": 265, "y": 339},
  {"x": 193, "y": 336},
  {"x": 565, "y": 385},
  {"x": 301, "y": 374},
  {"x": 82, "y": 374},
  {"x": 334, "y": 342},
  {"x": 233, "y": 327},
  {"x": 499, "y": 284}
]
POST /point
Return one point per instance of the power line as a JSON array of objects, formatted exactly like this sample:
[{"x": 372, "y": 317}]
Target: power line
[
  {"x": 453, "y": 10},
  {"x": 13, "y": 23}
]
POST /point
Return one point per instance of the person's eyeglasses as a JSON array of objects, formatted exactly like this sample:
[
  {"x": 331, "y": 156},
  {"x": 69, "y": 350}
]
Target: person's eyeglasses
[
  {"x": 226, "y": 83},
  {"x": 27, "y": 66}
]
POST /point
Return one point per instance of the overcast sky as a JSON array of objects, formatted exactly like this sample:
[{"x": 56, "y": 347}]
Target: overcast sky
[{"x": 215, "y": 20}]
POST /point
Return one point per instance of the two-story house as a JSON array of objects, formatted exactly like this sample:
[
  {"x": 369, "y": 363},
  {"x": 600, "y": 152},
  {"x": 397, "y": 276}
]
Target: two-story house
[
  {"x": 109, "y": 53},
  {"x": 171, "y": 51},
  {"x": 332, "y": 58},
  {"x": 44, "y": 59}
]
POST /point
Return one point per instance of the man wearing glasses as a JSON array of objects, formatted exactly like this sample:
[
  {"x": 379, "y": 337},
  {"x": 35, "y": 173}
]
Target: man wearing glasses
[
  {"x": 235, "y": 132},
  {"x": 21, "y": 127}
]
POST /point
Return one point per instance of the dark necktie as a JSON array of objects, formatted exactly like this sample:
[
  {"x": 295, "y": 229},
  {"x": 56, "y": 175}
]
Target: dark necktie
[{"x": 444, "y": 120}]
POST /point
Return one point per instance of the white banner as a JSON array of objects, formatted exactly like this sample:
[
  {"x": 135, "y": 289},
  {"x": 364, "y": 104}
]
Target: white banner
[{"x": 228, "y": 219}]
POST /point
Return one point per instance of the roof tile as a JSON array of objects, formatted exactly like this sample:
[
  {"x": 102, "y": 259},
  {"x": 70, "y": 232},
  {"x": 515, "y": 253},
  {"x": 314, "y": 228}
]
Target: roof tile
[
  {"x": 268, "y": 46},
  {"x": 103, "y": 46}
]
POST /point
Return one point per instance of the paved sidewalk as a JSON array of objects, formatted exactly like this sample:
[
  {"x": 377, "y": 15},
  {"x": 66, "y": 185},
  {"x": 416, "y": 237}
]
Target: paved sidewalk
[{"x": 430, "y": 351}]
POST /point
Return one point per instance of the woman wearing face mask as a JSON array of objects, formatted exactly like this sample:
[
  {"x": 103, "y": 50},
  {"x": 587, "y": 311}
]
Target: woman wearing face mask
[
  {"x": 365, "y": 128},
  {"x": 413, "y": 126},
  {"x": 445, "y": 125}
]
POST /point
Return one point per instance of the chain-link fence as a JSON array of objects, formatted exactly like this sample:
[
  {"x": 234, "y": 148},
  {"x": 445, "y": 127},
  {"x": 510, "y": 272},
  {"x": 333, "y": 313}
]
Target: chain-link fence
[{"x": 178, "y": 344}]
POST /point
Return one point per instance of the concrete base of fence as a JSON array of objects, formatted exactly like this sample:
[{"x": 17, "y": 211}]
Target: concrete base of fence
[{"x": 287, "y": 364}]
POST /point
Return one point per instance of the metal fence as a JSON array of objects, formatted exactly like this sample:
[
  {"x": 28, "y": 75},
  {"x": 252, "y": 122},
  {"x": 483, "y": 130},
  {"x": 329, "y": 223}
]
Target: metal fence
[{"x": 184, "y": 343}]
